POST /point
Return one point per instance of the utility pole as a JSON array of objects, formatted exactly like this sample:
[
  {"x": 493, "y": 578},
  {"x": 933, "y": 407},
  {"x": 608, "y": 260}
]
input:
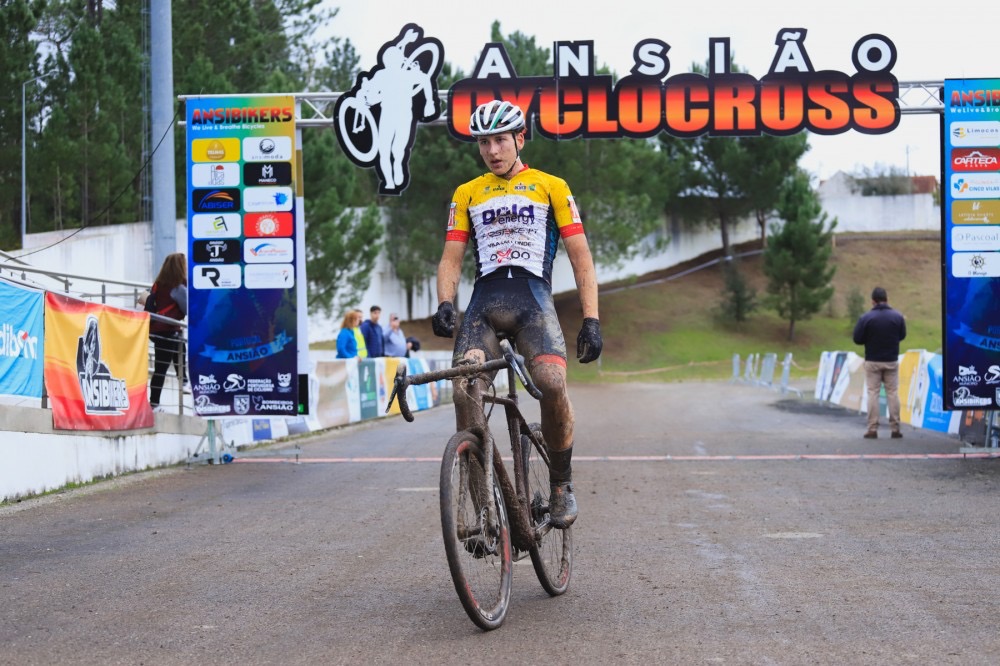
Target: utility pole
[{"x": 162, "y": 127}]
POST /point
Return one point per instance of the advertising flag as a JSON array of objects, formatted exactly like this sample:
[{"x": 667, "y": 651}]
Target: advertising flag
[
  {"x": 970, "y": 215},
  {"x": 21, "y": 338},
  {"x": 96, "y": 365},
  {"x": 242, "y": 302}
]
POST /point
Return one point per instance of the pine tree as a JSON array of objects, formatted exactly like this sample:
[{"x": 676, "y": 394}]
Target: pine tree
[{"x": 797, "y": 260}]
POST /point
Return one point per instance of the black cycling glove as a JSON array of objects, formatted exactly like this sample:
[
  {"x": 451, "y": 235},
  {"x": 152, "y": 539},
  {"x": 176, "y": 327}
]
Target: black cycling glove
[
  {"x": 589, "y": 342},
  {"x": 443, "y": 321}
]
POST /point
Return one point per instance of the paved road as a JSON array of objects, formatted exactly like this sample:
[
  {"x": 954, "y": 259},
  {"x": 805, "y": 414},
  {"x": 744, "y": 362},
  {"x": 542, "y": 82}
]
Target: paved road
[{"x": 711, "y": 556}]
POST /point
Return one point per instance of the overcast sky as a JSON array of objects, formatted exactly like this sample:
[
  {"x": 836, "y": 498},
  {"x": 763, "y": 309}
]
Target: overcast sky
[{"x": 934, "y": 41}]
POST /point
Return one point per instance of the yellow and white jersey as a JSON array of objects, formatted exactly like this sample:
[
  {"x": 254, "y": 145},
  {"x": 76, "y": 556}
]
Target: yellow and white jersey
[{"x": 514, "y": 223}]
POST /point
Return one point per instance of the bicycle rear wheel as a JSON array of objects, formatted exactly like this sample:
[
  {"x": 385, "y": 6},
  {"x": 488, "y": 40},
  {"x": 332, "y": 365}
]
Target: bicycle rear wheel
[
  {"x": 479, "y": 556},
  {"x": 552, "y": 554}
]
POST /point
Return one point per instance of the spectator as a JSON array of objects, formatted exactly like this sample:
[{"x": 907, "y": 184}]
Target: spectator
[
  {"x": 359, "y": 338},
  {"x": 880, "y": 330},
  {"x": 395, "y": 339},
  {"x": 167, "y": 298},
  {"x": 412, "y": 344},
  {"x": 347, "y": 342},
  {"x": 372, "y": 333}
]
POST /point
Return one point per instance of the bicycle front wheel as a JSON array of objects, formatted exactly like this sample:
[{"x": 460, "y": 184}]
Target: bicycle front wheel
[
  {"x": 552, "y": 554},
  {"x": 477, "y": 544}
]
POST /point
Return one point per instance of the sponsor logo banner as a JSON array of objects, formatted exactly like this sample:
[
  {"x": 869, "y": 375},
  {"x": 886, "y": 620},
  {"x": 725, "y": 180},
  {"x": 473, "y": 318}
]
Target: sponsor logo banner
[
  {"x": 22, "y": 314},
  {"x": 978, "y": 211},
  {"x": 220, "y": 200},
  {"x": 258, "y": 174},
  {"x": 215, "y": 175},
  {"x": 975, "y": 185},
  {"x": 268, "y": 225},
  {"x": 975, "y": 159},
  {"x": 267, "y": 149},
  {"x": 217, "y": 277},
  {"x": 270, "y": 276},
  {"x": 222, "y": 225},
  {"x": 981, "y": 238},
  {"x": 974, "y": 133},
  {"x": 216, "y": 251},
  {"x": 268, "y": 250},
  {"x": 96, "y": 365},
  {"x": 975, "y": 265},
  {"x": 215, "y": 150},
  {"x": 242, "y": 243},
  {"x": 267, "y": 199}
]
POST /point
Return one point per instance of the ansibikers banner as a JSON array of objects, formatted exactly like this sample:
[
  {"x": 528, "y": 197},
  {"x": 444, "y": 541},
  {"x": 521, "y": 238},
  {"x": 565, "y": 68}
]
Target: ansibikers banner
[
  {"x": 96, "y": 365},
  {"x": 242, "y": 301}
]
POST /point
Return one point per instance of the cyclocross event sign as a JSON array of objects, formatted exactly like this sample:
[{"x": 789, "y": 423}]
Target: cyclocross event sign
[
  {"x": 242, "y": 256},
  {"x": 971, "y": 228},
  {"x": 376, "y": 119}
]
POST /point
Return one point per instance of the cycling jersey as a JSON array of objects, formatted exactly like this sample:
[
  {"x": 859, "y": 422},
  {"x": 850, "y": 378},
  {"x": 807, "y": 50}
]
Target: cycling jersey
[{"x": 514, "y": 223}]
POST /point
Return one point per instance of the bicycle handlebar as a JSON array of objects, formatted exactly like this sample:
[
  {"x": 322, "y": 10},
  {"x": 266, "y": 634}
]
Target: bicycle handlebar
[{"x": 509, "y": 360}]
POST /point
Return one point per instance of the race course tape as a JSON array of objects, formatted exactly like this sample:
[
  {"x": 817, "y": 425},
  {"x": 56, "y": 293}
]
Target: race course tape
[{"x": 745, "y": 458}]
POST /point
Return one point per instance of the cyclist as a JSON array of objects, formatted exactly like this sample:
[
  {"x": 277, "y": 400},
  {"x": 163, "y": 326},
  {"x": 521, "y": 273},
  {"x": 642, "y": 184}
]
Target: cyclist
[{"x": 515, "y": 216}]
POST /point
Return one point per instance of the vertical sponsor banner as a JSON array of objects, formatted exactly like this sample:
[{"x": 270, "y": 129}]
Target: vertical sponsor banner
[
  {"x": 909, "y": 380},
  {"x": 368, "y": 388},
  {"x": 21, "y": 340},
  {"x": 933, "y": 415},
  {"x": 96, "y": 365},
  {"x": 386, "y": 379},
  {"x": 970, "y": 215},
  {"x": 242, "y": 240}
]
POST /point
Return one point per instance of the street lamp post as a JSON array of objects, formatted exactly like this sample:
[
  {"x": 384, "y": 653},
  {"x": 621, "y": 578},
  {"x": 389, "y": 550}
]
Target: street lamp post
[{"x": 24, "y": 156}]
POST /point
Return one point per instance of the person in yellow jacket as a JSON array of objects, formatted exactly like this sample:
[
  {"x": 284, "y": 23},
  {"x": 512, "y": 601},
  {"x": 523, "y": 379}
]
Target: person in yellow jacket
[{"x": 362, "y": 347}]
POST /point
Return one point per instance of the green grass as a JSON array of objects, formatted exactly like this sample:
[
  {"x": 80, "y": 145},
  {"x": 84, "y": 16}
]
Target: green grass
[{"x": 671, "y": 326}]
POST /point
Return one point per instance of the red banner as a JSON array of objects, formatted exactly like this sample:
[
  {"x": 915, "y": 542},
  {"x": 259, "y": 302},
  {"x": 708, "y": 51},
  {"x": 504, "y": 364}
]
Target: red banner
[{"x": 96, "y": 365}]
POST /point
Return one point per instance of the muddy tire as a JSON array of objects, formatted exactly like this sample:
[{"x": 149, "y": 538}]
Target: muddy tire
[
  {"x": 552, "y": 554},
  {"x": 479, "y": 557}
]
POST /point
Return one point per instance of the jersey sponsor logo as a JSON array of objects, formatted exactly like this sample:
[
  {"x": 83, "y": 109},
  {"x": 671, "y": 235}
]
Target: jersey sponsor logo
[
  {"x": 511, "y": 231},
  {"x": 574, "y": 211},
  {"x": 219, "y": 276},
  {"x": 223, "y": 225},
  {"x": 451, "y": 215},
  {"x": 216, "y": 251},
  {"x": 510, "y": 254},
  {"x": 510, "y": 214},
  {"x": 259, "y": 225},
  {"x": 216, "y": 201}
]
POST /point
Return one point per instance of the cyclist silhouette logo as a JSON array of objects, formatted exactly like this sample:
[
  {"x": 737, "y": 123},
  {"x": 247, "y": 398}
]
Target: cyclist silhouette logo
[{"x": 376, "y": 120}]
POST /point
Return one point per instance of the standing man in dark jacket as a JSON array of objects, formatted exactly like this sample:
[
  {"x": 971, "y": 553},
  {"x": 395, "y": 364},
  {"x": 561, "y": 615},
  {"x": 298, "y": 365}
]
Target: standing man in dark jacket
[
  {"x": 880, "y": 331},
  {"x": 372, "y": 332}
]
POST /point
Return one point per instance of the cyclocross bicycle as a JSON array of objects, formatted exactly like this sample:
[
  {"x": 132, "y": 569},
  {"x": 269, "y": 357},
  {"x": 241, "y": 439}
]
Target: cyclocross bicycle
[{"x": 489, "y": 521}]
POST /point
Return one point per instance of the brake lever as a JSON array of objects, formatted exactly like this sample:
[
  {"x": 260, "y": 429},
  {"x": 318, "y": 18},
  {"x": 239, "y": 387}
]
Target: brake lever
[
  {"x": 400, "y": 383},
  {"x": 516, "y": 362}
]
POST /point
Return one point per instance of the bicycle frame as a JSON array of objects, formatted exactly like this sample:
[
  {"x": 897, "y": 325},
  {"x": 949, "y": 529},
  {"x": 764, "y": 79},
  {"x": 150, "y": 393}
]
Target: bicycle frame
[{"x": 471, "y": 407}]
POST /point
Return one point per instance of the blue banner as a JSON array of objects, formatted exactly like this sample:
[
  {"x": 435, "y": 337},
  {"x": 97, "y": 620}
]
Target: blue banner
[
  {"x": 22, "y": 318},
  {"x": 935, "y": 418},
  {"x": 970, "y": 215},
  {"x": 242, "y": 257}
]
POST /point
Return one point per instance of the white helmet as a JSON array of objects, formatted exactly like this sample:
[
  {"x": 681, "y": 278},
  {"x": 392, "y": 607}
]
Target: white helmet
[{"x": 496, "y": 117}]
